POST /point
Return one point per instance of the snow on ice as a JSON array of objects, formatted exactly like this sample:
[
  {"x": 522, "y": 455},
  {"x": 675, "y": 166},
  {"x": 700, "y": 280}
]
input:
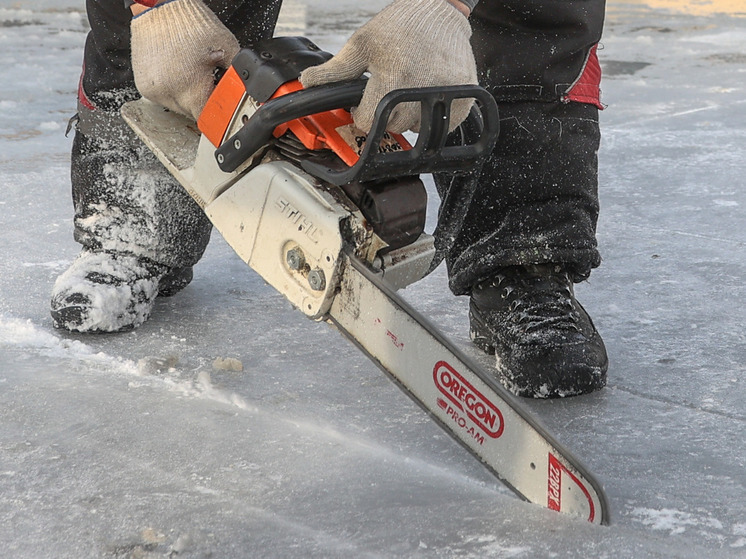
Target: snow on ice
[{"x": 157, "y": 443}]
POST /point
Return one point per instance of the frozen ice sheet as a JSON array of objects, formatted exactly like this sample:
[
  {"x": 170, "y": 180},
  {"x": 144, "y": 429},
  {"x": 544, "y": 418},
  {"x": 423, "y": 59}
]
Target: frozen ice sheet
[{"x": 136, "y": 445}]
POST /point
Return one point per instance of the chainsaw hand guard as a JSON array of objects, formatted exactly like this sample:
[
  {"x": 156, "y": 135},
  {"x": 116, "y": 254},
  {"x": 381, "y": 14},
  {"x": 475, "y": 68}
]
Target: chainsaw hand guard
[{"x": 430, "y": 154}]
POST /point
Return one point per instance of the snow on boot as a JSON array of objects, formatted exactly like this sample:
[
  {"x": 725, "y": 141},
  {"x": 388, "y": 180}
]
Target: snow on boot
[
  {"x": 544, "y": 341},
  {"x": 107, "y": 292}
]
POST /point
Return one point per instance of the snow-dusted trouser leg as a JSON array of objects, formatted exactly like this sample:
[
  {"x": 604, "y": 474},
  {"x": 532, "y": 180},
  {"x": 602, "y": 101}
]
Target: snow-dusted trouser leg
[
  {"x": 124, "y": 200},
  {"x": 536, "y": 198}
]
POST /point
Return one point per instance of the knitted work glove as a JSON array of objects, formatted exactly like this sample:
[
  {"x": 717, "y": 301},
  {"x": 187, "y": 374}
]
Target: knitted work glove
[
  {"x": 410, "y": 43},
  {"x": 176, "y": 47}
]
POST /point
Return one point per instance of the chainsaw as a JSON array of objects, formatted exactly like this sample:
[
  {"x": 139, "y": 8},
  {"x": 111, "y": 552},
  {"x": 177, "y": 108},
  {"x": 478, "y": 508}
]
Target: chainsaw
[{"x": 334, "y": 219}]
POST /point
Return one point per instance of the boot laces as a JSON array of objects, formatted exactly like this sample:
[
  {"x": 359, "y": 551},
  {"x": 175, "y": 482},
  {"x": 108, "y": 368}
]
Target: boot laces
[{"x": 538, "y": 303}]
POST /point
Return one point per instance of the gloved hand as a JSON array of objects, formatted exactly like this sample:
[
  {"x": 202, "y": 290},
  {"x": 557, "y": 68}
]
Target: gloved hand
[
  {"x": 176, "y": 47},
  {"x": 410, "y": 43}
]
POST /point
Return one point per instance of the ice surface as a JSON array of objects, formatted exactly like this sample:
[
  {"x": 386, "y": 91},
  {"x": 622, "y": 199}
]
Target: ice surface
[{"x": 135, "y": 445}]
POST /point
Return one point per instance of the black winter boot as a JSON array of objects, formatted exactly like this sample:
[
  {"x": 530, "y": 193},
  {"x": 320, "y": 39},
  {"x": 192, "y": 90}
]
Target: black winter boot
[
  {"x": 175, "y": 280},
  {"x": 544, "y": 341}
]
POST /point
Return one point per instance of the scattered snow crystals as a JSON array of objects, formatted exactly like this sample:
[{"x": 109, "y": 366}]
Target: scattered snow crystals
[
  {"x": 726, "y": 203},
  {"x": 227, "y": 364},
  {"x": 20, "y": 333},
  {"x": 157, "y": 365},
  {"x": 739, "y": 530},
  {"x": 672, "y": 521},
  {"x": 204, "y": 388}
]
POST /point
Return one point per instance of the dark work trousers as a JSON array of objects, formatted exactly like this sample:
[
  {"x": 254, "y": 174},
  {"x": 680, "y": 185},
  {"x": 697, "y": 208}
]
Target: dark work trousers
[
  {"x": 534, "y": 201},
  {"x": 536, "y": 198}
]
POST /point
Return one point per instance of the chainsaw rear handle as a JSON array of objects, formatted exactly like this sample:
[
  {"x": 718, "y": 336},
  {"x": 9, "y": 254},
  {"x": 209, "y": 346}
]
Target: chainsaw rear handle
[{"x": 429, "y": 154}]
